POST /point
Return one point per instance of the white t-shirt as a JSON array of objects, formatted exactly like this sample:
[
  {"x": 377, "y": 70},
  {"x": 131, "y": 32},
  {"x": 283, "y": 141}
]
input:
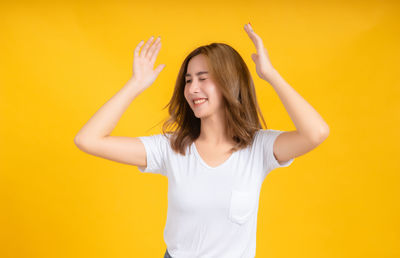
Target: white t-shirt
[{"x": 212, "y": 211}]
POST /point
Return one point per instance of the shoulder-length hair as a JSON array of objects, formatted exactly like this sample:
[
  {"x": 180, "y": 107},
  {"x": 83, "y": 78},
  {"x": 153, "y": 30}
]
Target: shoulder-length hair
[{"x": 231, "y": 75}]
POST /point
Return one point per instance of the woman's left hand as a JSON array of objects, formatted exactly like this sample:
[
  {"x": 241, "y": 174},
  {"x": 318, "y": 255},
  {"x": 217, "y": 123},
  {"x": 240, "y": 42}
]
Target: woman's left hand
[{"x": 264, "y": 67}]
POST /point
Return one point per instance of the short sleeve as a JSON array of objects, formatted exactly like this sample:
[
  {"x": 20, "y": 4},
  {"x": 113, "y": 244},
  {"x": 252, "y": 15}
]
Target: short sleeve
[
  {"x": 266, "y": 139},
  {"x": 156, "y": 151}
]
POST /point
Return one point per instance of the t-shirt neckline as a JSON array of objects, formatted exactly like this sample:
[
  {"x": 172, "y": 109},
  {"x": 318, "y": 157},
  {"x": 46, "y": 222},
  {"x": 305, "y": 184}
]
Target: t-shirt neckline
[{"x": 199, "y": 158}]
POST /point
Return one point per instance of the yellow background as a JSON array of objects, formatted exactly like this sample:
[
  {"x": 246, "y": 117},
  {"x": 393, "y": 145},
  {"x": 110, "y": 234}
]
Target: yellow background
[{"x": 61, "y": 62}]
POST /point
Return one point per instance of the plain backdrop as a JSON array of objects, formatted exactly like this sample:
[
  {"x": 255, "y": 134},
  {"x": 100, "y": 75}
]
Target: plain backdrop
[{"x": 61, "y": 61}]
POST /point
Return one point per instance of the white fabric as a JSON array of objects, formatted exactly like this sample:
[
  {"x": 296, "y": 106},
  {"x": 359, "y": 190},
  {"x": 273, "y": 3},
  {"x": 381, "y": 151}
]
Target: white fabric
[{"x": 212, "y": 211}]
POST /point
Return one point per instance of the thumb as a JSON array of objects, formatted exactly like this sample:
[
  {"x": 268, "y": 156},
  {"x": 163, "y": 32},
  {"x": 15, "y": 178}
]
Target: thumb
[
  {"x": 254, "y": 57},
  {"x": 160, "y": 68}
]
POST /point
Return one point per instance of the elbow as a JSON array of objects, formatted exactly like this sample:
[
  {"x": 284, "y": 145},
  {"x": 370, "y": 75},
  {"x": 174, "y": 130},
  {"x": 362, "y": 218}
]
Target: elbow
[
  {"x": 86, "y": 143},
  {"x": 323, "y": 134},
  {"x": 319, "y": 136},
  {"x": 79, "y": 141},
  {"x": 325, "y": 131}
]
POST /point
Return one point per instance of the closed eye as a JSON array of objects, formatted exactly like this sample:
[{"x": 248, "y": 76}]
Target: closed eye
[{"x": 191, "y": 80}]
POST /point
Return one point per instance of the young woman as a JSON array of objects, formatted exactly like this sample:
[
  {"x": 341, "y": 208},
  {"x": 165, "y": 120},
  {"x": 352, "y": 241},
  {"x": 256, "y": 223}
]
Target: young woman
[{"x": 218, "y": 156}]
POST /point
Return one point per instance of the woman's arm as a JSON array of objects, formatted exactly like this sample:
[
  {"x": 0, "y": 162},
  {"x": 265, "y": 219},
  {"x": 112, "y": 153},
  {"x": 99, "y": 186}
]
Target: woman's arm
[
  {"x": 94, "y": 137},
  {"x": 311, "y": 131},
  {"x": 103, "y": 122},
  {"x": 307, "y": 120}
]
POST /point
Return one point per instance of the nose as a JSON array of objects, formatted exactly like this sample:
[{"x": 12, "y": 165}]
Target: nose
[{"x": 193, "y": 87}]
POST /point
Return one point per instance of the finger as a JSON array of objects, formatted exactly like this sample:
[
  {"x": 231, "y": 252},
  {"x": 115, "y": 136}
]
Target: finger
[
  {"x": 255, "y": 38},
  {"x": 136, "y": 54},
  {"x": 155, "y": 52},
  {"x": 145, "y": 47},
  {"x": 248, "y": 29},
  {"x": 251, "y": 34},
  {"x": 248, "y": 26},
  {"x": 152, "y": 48},
  {"x": 159, "y": 69}
]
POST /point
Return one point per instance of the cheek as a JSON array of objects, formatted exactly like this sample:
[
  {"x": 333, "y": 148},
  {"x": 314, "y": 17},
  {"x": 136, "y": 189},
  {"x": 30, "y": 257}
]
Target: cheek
[
  {"x": 185, "y": 94},
  {"x": 214, "y": 95},
  {"x": 210, "y": 91}
]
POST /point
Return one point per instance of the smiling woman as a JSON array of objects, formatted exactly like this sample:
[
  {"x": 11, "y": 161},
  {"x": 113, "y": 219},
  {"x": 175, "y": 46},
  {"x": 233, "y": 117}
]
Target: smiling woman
[
  {"x": 216, "y": 85},
  {"x": 218, "y": 156}
]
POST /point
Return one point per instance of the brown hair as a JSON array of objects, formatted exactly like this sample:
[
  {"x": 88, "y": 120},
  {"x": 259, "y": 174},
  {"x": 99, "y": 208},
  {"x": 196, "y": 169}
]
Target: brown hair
[{"x": 241, "y": 109}]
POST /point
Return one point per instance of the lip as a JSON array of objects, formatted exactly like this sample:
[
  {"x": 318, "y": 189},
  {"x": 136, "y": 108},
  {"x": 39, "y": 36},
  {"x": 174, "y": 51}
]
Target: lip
[
  {"x": 198, "y": 99},
  {"x": 196, "y": 105}
]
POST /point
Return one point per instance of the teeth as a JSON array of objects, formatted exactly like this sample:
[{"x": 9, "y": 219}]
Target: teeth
[{"x": 199, "y": 101}]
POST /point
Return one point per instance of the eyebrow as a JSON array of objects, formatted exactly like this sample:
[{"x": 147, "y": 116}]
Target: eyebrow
[{"x": 199, "y": 73}]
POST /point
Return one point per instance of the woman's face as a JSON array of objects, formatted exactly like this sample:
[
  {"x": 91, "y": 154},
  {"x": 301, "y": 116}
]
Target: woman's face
[{"x": 199, "y": 84}]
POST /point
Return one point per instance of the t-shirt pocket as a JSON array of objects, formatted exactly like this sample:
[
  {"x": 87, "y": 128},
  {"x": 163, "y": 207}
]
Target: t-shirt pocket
[{"x": 242, "y": 206}]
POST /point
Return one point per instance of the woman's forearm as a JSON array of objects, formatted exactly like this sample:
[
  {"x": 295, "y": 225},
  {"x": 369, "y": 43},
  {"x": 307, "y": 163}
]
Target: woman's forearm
[
  {"x": 306, "y": 119},
  {"x": 103, "y": 122}
]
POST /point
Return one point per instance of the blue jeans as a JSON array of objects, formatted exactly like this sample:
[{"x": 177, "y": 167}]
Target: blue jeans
[{"x": 167, "y": 255}]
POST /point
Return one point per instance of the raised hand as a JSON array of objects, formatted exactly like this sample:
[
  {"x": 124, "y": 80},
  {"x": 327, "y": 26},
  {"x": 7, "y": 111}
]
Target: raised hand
[
  {"x": 264, "y": 67},
  {"x": 143, "y": 63}
]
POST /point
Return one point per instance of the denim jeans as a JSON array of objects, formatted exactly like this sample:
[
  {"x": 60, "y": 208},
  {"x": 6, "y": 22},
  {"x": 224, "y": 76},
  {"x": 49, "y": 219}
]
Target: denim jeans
[{"x": 167, "y": 255}]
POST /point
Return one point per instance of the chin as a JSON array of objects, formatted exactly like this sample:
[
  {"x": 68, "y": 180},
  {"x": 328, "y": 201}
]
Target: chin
[
  {"x": 198, "y": 115},
  {"x": 201, "y": 114}
]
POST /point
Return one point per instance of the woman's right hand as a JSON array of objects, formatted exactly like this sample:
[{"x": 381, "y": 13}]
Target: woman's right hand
[{"x": 143, "y": 63}]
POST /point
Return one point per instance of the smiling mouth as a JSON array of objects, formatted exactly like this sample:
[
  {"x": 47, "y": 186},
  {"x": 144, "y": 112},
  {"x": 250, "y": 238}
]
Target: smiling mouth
[{"x": 199, "y": 102}]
